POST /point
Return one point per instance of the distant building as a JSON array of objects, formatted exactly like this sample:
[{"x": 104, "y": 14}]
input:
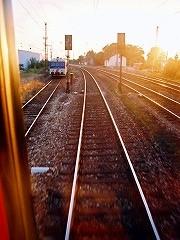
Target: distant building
[
  {"x": 88, "y": 61},
  {"x": 25, "y": 56},
  {"x": 114, "y": 61}
]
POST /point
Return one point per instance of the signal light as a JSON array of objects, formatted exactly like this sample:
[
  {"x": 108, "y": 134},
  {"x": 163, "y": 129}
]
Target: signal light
[{"x": 68, "y": 42}]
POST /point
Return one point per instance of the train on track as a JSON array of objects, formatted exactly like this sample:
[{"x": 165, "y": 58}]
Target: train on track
[{"x": 58, "y": 67}]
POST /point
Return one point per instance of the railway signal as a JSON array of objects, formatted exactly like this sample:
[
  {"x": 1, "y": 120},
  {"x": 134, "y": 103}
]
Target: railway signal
[
  {"x": 121, "y": 43},
  {"x": 68, "y": 42},
  {"x": 121, "y": 50},
  {"x": 68, "y": 46}
]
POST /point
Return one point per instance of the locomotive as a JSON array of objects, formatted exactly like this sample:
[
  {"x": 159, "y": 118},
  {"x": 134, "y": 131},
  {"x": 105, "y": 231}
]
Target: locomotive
[{"x": 58, "y": 67}]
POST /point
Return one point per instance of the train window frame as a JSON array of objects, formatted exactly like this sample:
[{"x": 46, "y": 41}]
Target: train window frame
[{"x": 57, "y": 64}]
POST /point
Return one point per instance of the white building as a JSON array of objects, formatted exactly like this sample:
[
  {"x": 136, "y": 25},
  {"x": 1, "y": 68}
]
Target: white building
[
  {"x": 114, "y": 61},
  {"x": 25, "y": 56}
]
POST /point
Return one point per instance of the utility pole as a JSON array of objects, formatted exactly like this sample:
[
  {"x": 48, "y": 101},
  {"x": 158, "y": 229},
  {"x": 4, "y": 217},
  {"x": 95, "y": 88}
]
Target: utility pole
[
  {"x": 157, "y": 36},
  {"x": 50, "y": 51},
  {"x": 45, "y": 46}
]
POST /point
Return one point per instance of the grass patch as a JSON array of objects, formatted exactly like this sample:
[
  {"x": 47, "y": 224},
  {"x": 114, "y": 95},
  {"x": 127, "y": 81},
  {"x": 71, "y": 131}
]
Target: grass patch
[
  {"x": 29, "y": 88},
  {"x": 32, "y": 71},
  {"x": 141, "y": 117}
]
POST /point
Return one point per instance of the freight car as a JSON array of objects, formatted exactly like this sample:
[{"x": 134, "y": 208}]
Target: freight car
[{"x": 58, "y": 67}]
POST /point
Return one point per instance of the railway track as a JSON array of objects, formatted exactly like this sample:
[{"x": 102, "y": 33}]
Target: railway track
[
  {"x": 107, "y": 201},
  {"x": 168, "y": 90},
  {"x": 167, "y": 83},
  {"x": 166, "y": 104},
  {"x": 34, "y": 107},
  {"x": 159, "y": 81}
]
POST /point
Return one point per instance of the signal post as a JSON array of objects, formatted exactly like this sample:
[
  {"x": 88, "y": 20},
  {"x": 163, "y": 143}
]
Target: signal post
[
  {"x": 68, "y": 46},
  {"x": 121, "y": 50}
]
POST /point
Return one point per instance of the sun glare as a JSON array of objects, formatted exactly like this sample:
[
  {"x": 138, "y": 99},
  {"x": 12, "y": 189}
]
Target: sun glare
[{"x": 168, "y": 35}]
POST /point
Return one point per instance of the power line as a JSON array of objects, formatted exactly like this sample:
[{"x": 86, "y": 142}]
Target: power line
[
  {"x": 36, "y": 47},
  {"x": 29, "y": 37},
  {"x": 27, "y": 34},
  {"x": 34, "y": 9},
  {"x": 42, "y": 9},
  {"x": 30, "y": 45},
  {"x": 23, "y": 33},
  {"x": 162, "y": 4},
  {"x": 30, "y": 15},
  {"x": 169, "y": 17},
  {"x": 95, "y": 5}
]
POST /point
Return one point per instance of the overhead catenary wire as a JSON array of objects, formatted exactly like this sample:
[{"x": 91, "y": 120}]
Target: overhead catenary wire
[
  {"x": 31, "y": 45},
  {"x": 92, "y": 20},
  {"x": 24, "y": 32},
  {"x": 31, "y": 16},
  {"x": 42, "y": 10},
  {"x": 161, "y": 5},
  {"x": 34, "y": 45},
  {"x": 34, "y": 9},
  {"x": 95, "y": 7}
]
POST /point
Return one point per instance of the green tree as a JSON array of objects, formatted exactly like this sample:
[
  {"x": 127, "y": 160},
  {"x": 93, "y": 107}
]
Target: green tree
[
  {"x": 90, "y": 54},
  {"x": 99, "y": 59},
  {"x": 110, "y": 50},
  {"x": 80, "y": 59},
  {"x": 33, "y": 63},
  {"x": 172, "y": 68},
  {"x": 156, "y": 59},
  {"x": 41, "y": 64},
  {"x": 134, "y": 54}
]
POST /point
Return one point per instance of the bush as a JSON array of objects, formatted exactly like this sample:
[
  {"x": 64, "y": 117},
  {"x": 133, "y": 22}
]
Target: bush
[
  {"x": 172, "y": 68},
  {"x": 36, "y": 64}
]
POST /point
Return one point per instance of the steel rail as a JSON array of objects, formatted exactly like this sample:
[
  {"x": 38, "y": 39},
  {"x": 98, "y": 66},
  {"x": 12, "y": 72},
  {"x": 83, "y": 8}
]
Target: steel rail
[
  {"x": 153, "y": 101},
  {"x": 175, "y": 115},
  {"x": 155, "y": 79},
  {"x": 170, "y": 99},
  {"x": 172, "y": 82},
  {"x": 130, "y": 164},
  {"x": 41, "y": 110},
  {"x": 71, "y": 207},
  {"x": 36, "y": 94},
  {"x": 149, "y": 79}
]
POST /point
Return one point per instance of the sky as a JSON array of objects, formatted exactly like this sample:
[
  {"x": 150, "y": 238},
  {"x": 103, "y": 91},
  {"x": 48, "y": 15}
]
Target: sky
[{"x": 94, "y": 24}]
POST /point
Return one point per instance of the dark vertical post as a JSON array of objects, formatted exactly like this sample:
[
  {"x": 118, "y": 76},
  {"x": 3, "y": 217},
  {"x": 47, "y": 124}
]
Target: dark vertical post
[
  {"x": 121, "y": 49},
  {"x": 68, "y": 46},
  {"x": 67, "y": 83},
  {"x": 67, "y": 76},
  {"x": 157, "y": 36},
  {"x": 72, "y": 78},
  {"x": 120, "y": 75},
  {"x": 45, "y": 47}
]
